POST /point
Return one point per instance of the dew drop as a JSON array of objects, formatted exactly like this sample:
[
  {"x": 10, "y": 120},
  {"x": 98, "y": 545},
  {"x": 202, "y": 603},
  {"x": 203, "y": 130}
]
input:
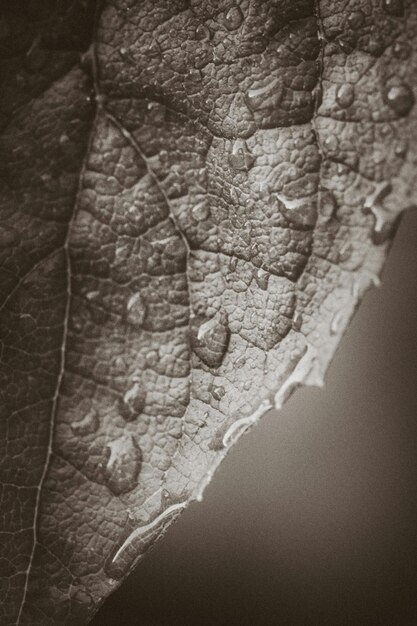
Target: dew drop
[
  {"x": 401, "y": 50},
  {"x": 135, "y": 542},
  {"x": 345, "y": 95},
  {"x": 327, "y": 204},
  {"x": 133, "y": 402},
  {"x": 331, "y": 143},
  {"x": 241, "y": 157},
  {"x": 201, "y": 211},
  {"x": 399, "y": 98},
  {"x": 123, "y": 464},
  {"x": 394, "y": 7},
  {"x": 87, "y": 425},
  {"x": 356, "y": 19},
  {"x": 202, "y": 33},
  {"x": 240, "y": 361},
  {"x": 401, "y": 149},
  {"x": 135, "y": 310},
  {"x": 299, "y": 211},
  {"x": 297, "y": 321},
  {"x": 233, "y": 18},
  {"x": 218, "y": 392},
  {"x": 209, "y": 338},
  {"x": 262, "y": 279}
]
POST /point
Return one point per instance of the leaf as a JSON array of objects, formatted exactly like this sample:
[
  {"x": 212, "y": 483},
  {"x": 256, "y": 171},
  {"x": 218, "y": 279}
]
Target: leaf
[{"x": 194, "y": 198}]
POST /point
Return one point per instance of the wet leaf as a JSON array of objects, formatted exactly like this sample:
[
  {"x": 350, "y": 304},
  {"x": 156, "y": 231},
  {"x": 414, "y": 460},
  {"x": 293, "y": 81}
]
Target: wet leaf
[{"x": 194, "y": 199}]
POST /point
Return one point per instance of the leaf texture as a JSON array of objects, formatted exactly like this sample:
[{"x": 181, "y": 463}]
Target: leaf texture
[{"x": 194, "y": 198}]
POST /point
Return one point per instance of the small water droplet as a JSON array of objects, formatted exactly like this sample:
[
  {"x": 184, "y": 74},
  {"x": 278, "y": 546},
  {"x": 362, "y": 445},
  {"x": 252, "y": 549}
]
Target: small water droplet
[
  {"x": 327, "y": 204},
  {"x": 232, "y": 263},
  {"x": 345, "y": 95},
  {"x": 297, "y": 321},
  {"x": 262, "y": 278},
  {"x": 240, "y": 361},
  {"x": 123, "y": 464},
  {"x": 201, "y": 211},
  {"x": 135, "y": 310},
  {"x": 241, "y": 158},
  {"x": 401, "y": 149},
  {"x": 87, "y": 425},
  {"x": 202, "y": 32},
  {"x": 331, "y": 143},
  {"x": 209, "y": 338},
  {"x": 401, "y": 50},
  {"x": 356, "y": 19},
  {"x": 218, "y": 392},
  {"x": 233, "y": 18},
  {"x": 400, "y": 98},
  {"x": 133, "y": 402},
  {"x": 394, "y": 7},
  {"x": 346, "y": 44}
]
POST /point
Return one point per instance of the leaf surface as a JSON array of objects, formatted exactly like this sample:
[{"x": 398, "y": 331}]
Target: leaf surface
[{"x": 194, "y": 198}]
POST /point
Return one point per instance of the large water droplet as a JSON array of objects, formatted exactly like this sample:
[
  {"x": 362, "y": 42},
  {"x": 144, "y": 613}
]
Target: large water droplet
[
  {"x": 87, "y": 425},
  {"x": 394, "y": 7},
  {"x": 233, "y": 18},
  {"x": 209, "y": 338},
  {"x": 400, "y": 98},
  {"x": 299, "y": 211},
  {"x": 135, "y": 310},
  {"x": 133, "y": 402},
  {"x": 241, "y": 157},
  {"x": 385, "y": 217},
  {"x": 136, "y": 541},
  {"x": 123, "y": 464},
  {"x": 345, "y": 95}
]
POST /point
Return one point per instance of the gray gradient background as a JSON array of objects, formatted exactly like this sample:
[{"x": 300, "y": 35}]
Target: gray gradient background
[{"x": 312, "y": 519}]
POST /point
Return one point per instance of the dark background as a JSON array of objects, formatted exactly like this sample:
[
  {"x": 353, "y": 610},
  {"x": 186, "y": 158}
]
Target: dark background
[{"x": 312, "y": 518}]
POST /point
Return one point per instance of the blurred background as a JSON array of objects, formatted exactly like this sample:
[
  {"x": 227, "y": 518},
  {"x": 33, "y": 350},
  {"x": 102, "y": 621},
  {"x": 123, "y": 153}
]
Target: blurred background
[{"x": 312, "y": 518}]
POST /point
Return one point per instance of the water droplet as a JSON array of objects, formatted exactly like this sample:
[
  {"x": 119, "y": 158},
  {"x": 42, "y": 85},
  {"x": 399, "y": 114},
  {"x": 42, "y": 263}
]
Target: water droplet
[
  {"x": 233, "y": 18},
  {"x": 336, "y": 322},
  {"x": 240, "y": 361},
  {"x": 400, "y": 98},
  {"x": 232, "y": 263},
  {"x": 401, "y": 50},
  {"x": 262, "y": 278},
  {"x": 202, "y": 32},
  {"x": 346, "y": 44},
  {"x": 123, "y": 464},
  {"x": 356, "y": 19},
  {"x": 218, "y": 392},
  {"x": 394, "y": 7},
  {"x": 345, "y": 95},
  {"x": 201, "y": 211},
  {"x": 297, "y": 321},
  {"x": 300, "y": 211},
  {"x": 331, "y": 143},
  {"x": 133, "y": 402},
  {"x": 401, "y": 149},
  {"x": 385, "y": 218},
  {"x": 136, "y": 541},
  {"x": 135, "y": 310},
  {"x": 327, "y": 204},
  {"x": 87, "y": 425},
  {"x": 241, "y": 157},
  {"x": 209, "y": 338}
]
